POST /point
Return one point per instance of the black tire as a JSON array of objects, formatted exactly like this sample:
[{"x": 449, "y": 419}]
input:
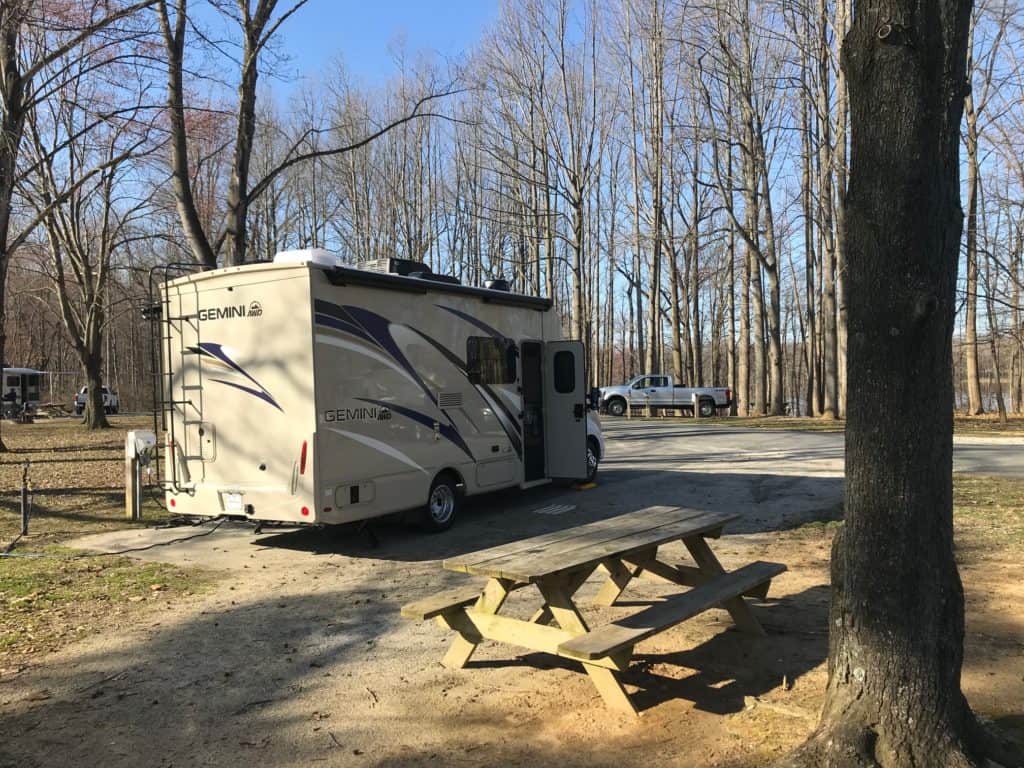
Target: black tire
[
  {"x": 443, "y": 504},
  {"x": 616, "y": 407},
  {"x": 707, "y": 408},
  {"x": 593, "y": 458}
]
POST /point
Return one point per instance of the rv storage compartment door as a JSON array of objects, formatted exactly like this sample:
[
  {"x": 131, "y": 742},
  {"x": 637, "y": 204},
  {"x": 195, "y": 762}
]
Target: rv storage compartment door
[{"x": 565, "y": 410}]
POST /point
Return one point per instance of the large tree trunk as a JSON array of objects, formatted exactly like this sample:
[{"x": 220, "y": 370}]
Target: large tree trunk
[
  {"x": 95, "y": 415},
  {"x": 897, "y": 615},
  {"x": 12, "y": 124}
]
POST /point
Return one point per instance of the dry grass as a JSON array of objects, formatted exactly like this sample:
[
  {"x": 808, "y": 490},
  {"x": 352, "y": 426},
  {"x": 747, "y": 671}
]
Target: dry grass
[
  {"x": 77, "y": 481},
  {"x": 988, "y": 424}
]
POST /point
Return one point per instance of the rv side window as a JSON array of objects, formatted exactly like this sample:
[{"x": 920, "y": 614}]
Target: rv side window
[
  {"x": 565, "y": 372},
  {"x": 490, "y": 361},
  {"x": 13, "y": 381}
]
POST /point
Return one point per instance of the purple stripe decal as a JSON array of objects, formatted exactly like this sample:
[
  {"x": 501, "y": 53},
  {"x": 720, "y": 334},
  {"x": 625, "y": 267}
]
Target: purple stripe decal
[
  {"x": 446, "y": 430},
  {"x": 494, "y": 332},
  {"x": 217, "y": 352}
]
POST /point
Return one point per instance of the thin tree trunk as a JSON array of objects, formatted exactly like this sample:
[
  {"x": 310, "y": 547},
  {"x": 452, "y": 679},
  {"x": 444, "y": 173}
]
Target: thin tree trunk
[{"x": 974, "y": 402}]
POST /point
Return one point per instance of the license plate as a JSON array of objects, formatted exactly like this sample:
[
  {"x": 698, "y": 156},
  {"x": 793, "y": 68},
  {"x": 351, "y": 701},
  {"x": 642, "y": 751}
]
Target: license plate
[{"x": 233, "y": 502}]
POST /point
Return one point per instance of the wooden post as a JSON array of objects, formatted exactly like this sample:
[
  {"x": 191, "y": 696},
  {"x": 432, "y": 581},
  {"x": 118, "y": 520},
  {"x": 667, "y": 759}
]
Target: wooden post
[{"x": 132, "y": 480}]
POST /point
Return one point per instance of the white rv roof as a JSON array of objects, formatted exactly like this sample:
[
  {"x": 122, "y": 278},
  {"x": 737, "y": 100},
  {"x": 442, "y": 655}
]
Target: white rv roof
[
  {"x": 22, "y": 370},
  {"x": 348, "y": 276}
]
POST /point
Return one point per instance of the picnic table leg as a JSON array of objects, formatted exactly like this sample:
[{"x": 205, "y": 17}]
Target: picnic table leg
[
  {"x": 462, "y": 647},
  {"x": 573, "y": 583},
  {"x": 737, "y": 607},
  {"x": 619, "y": 576},
  {"x": 559, "y": 601}
]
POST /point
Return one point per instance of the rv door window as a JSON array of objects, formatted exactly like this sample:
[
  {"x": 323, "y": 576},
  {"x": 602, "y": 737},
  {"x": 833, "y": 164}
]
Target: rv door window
[
  {"x": 490, "y": 360},
  {"x": 565, "y": 372},
  {"x": 13, "y": 381}
]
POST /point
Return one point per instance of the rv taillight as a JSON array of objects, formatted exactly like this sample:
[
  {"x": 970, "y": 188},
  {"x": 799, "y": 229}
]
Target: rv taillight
[
  {"x": 305, "y": 511},
  {"x": 174, "y": 502},
  {"x": 302, "y": 463}
]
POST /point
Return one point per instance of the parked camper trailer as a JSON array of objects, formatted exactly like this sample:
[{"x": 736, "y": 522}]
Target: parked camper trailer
[
  {"x": 21, "y": 390},
  {"x": 303, "y": 391}
]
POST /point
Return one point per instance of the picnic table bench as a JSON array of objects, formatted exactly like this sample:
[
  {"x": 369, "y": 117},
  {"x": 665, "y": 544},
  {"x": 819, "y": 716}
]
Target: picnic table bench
[{"x": 559, "y": 563}]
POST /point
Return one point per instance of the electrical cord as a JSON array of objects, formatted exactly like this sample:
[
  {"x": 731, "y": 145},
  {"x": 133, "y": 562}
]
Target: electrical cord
[{"x": 81, "y": 555}]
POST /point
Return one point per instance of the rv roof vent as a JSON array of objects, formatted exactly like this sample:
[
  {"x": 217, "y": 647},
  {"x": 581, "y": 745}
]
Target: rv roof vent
[
  {"x": 317, "y": 256},
  {"x": 449, "y": 399},
  {"x": 498, "y": 284}
]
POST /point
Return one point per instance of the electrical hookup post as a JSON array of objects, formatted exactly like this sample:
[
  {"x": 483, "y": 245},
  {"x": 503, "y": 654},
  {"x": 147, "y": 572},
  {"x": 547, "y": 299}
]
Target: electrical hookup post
[{"x": 139, "y": 450}]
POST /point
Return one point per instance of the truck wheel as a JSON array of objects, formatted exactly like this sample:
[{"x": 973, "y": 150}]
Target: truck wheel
[
  {"x": 707, "y": 408},
  {"x": 443, "y": 504},
  {"x": 593, "y": 459},
  {"x": 617, "y": 406}
]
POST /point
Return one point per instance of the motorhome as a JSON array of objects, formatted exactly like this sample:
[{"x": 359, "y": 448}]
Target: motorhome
[
  {"x": 21, "y": 389},
  {"x": 300, "y": 390}
]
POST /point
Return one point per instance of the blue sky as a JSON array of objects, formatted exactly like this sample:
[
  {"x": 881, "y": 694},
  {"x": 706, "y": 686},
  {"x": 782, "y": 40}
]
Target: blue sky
[{"x": 363, "y": 31}]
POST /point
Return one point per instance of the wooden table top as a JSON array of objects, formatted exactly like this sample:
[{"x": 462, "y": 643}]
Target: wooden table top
[{"x": 532, "y": 559}]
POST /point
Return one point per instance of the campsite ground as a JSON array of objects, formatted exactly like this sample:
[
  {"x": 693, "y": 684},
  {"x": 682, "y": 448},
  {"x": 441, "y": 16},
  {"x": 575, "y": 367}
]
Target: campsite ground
[{"x": 286, "y": 648}]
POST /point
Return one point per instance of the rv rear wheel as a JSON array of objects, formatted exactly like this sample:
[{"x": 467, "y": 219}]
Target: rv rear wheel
[{"x": 442, "y": 504}]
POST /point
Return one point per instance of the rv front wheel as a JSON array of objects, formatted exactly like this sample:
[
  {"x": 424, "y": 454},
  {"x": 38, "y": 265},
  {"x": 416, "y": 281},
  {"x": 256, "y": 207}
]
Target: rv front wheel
[
  {"x": 593, "y": 459},
  {"x": 442, "y": 504}
]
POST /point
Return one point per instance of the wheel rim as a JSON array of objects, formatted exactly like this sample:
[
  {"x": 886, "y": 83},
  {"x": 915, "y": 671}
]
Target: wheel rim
[
  {"x": 616, "y": 408},
  {"x": 442, "y": 504},
  {"x": 591, "y": 460}
]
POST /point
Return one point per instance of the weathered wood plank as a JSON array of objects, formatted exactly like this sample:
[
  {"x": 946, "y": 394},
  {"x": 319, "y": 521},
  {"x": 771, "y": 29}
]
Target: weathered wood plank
[
  {"x": 554, "y": 541},
  {"x": 442, "y": 602},
  {"x": 536, "y": 565},
  {"x": 685, "y": 575},
  {"x": 631, "y": 630}
]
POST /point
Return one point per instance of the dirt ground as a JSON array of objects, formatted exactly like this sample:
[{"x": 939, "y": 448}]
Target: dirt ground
[{"x": 296, "y": 654}]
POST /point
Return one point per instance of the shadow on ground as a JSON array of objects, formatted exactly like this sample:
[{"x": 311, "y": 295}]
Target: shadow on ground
[{"x": 764, "y": 502}]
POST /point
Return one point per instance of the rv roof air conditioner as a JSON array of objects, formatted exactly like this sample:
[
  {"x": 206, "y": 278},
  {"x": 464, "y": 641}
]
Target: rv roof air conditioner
[
  {"x": 317, "y": 256},
  {"x": 497, "y": 284},
  {"x": 405, "y": 268}
]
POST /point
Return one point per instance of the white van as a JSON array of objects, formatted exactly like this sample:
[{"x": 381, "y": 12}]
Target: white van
[{"x": 303, "y": 391}]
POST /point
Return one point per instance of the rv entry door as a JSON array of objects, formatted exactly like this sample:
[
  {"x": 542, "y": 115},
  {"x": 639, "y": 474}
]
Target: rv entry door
[{"x": 565, "y": 410}]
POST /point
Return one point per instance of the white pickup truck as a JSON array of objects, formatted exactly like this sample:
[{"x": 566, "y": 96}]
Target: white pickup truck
[
  {"x": 110, "y": 401},
  {"x": 661, "y": 392}
]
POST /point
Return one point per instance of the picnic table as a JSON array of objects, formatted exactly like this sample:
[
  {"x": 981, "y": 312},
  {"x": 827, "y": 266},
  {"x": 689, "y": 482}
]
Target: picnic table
[{"x": 558, "y": 564}]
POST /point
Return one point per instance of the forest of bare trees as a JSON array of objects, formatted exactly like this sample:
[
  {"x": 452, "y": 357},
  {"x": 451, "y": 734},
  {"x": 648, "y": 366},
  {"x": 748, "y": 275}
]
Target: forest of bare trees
[{"x": 672, "y": 173}]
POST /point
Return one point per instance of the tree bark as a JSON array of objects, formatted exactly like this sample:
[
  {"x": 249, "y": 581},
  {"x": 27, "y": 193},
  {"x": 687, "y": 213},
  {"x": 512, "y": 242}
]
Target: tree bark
[{"x": 897, "y": 615}]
